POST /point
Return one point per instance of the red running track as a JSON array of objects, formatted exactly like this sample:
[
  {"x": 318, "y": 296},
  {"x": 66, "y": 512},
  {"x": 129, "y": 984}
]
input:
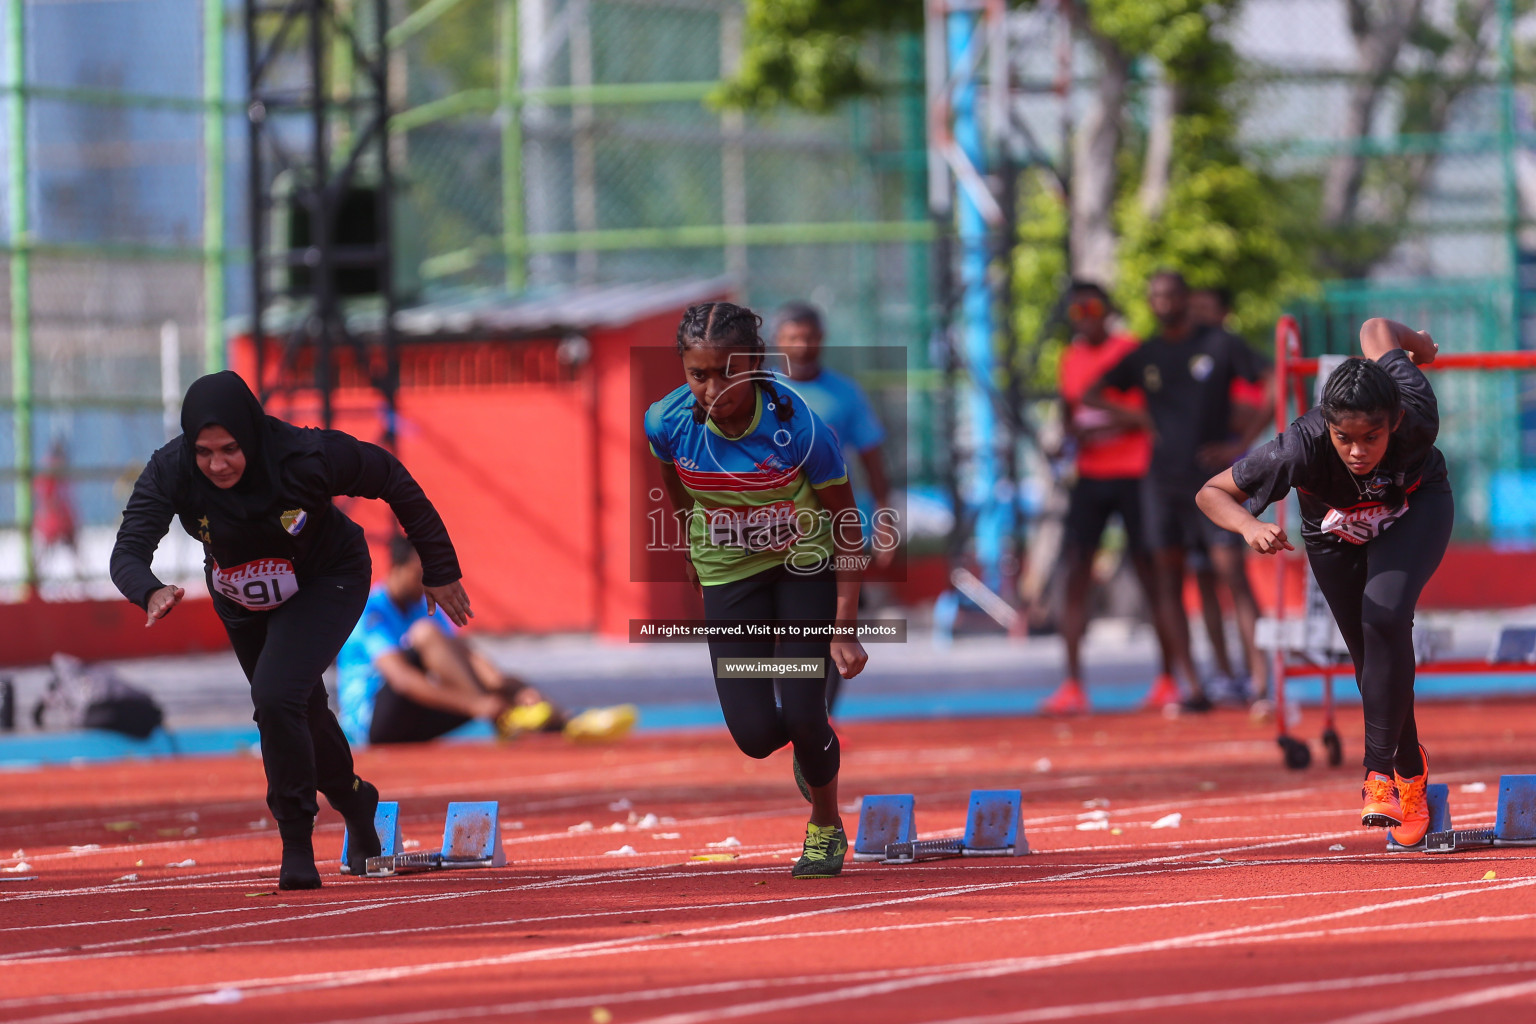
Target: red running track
[{"x": 155, "y": 898}]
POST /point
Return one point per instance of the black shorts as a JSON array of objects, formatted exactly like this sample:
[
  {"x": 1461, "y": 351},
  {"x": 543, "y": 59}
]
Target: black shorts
[
  {"x": 398, "y": 719},
  {"x": 1091, "y": 504},
  {"x": 1174, "y": 521}
]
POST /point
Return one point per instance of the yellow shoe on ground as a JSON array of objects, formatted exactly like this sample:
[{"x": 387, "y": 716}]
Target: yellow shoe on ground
[{"x": 602, "y": 725}]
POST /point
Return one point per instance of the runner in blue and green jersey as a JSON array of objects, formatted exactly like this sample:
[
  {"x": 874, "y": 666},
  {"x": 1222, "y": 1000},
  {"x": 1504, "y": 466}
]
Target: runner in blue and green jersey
[{"x": 773, "y": 537}]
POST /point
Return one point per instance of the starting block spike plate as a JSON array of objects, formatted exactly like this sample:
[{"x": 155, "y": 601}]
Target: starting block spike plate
[
  {"x": 1450, "y": 842},
  {"x": 472, "y": 835},
  {"x": 386, "y": 823},
  {"x": 994, "y": 825},
  {"x": 884, "y": 819},
  {"x": 404, "y": 864},
  {"x": 923, "y": 849},
  {"x": 1516, "y": 822},
  {"x": 1438, "y": 796}
]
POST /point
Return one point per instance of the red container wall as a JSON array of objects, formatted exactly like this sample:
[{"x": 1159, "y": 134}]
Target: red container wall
[{"x": 533, "y": 479}]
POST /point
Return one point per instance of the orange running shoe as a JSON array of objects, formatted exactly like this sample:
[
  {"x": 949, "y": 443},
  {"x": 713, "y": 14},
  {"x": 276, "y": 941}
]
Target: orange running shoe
[
  {"x": 1069, "y": 699},
  {"x": 1411, "y": 794},
  {"x": 1382, "y": 808},
  {"x": 1164, "y": 692}
]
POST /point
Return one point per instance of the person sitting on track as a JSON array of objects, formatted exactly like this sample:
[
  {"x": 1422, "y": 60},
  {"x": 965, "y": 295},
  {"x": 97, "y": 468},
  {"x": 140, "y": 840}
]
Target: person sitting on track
[
  {"x": 1354, "y": 461},
  {"x": 405, "y": 675},
  {"x": 289, "y": 576},
  {"x": 763, "y": 490}
]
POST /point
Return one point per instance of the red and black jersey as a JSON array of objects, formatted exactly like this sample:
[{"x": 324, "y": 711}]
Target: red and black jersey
[{"x": 1335, "y": 504}]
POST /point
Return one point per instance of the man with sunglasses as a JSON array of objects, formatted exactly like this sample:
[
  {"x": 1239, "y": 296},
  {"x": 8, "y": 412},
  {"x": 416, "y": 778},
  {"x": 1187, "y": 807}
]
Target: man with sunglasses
[{"x": 1112, "y": 458}]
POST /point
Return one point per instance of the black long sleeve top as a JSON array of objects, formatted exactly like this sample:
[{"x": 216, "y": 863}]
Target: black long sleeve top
[{"x": 292, "y": 520}]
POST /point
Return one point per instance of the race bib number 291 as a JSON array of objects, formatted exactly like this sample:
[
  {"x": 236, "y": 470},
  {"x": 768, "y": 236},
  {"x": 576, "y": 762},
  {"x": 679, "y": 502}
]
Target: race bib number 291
[{"x": 259, "y": 585}]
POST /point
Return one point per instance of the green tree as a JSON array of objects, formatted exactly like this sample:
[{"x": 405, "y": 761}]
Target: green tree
[{"x": 809, "y": 53}]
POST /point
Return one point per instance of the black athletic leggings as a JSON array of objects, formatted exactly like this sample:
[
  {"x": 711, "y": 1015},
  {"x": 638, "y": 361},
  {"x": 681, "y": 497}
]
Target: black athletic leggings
[
  {"x": 758, "y": 724},
  {"x": 1372, "y": 589},
  {"x": 283, "y": 653}
]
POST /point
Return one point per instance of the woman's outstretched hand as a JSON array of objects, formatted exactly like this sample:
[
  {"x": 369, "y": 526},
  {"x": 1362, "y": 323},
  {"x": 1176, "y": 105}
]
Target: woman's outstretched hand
[
  {"x": 161, "y": 602},
  {"x": 453, "y": 601}
]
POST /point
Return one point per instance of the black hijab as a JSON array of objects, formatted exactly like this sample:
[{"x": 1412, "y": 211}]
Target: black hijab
[{"x": 223, "y": 400}]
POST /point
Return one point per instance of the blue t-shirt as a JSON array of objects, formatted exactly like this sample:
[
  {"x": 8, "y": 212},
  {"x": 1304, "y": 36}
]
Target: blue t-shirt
[
  {"x": 842, "y": 404},
  {"x": 379, "y": 631},
  {"x": 754, "y": 495}
]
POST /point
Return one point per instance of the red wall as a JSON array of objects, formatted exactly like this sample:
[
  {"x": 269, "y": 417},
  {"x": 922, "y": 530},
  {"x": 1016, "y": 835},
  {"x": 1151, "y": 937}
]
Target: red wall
[{"x": 534, "y": 481}]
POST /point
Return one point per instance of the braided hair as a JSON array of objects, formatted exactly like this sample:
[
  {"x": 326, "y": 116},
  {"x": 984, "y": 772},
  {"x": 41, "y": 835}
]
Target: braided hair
[
  {"x": 1360, "y": 387},
  {"x": 729, "y": 326}
]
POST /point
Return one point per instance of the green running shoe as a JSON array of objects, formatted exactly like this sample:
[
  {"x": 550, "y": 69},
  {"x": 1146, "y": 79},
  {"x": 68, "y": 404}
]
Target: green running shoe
[
  {"x": 805, "y": 789},
  {"x": 825, "y": 847}
]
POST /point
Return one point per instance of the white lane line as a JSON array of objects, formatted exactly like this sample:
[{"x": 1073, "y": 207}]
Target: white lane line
[
  {"x": 466, "y": 928},
  {"x": 1145, "y": 1004},
  {"x": 1328, "y": 933},
  {"x": 341, "y": 979},
  {"x": 950, "y": 974},
  {"x": 386, "y": 903},
  {"x": 1477, "y": 997},
  {"x": 70, "y": 954}
]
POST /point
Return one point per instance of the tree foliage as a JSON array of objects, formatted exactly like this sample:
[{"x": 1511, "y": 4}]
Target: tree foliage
[{"x": 808, "y": 53}]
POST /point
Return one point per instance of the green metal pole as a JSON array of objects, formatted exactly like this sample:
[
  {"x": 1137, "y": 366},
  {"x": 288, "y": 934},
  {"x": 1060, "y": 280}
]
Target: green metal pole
[
  {"x": 1507, "y": 154},
  {"x": 213, "y": 186},
  {"x": 509, "y": 105},
  {"x": 21, "y": 290}
]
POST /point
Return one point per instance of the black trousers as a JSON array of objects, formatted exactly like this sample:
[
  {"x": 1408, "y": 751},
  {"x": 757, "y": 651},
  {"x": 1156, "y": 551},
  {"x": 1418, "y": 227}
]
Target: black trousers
[
  {"x": 759, "y": 724},
  {"x": 283, "y": 653},
  {"x": 1372, "y": 590},
  {"x": 398, "y": 719}
]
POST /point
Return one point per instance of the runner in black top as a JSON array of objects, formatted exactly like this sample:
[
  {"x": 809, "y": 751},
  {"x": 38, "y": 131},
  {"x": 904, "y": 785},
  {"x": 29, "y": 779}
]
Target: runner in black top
[
  {"x": 1376, "y": 517},
  {"x": 289, "y": 575}
]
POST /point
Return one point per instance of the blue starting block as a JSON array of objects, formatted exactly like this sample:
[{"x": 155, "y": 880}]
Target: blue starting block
[
  {"x": 472, "y": 835},
  {"x": 471, "y": 839},
  {"x": 1516, "y": 823},
  {"x": 994, "y": 827},
  {"x": 1438, "y": 796},
  {"x": 386, "y": 823},
  {"x": 883, "y": 820}
]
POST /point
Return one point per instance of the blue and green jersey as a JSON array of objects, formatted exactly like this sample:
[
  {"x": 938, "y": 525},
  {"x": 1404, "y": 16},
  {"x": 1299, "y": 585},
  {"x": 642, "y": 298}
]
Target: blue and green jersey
[{"x": 754, "y": 496}]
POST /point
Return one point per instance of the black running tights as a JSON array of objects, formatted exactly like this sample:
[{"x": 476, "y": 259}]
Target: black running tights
[
  {"x": 284, "y": 653},
  {"x": 1372, "y": 589},
  {"x": 758, "y": 723}
]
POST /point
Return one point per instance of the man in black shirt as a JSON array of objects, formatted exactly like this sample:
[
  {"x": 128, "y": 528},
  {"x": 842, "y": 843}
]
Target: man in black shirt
[{"x": 1186, "y": 371}]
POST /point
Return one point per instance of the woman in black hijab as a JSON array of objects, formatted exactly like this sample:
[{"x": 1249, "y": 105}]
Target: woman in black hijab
[{"x": 289, "y": 574}]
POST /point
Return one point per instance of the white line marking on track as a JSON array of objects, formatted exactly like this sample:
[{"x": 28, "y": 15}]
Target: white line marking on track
[
  {"x": 466, "y": 929},
  {"x": 1145, "y": 1004},
  {"x": 340, "y": 979},
  {"x": 952, "y": 974},
  {"x": 1477, "y": 997}
]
